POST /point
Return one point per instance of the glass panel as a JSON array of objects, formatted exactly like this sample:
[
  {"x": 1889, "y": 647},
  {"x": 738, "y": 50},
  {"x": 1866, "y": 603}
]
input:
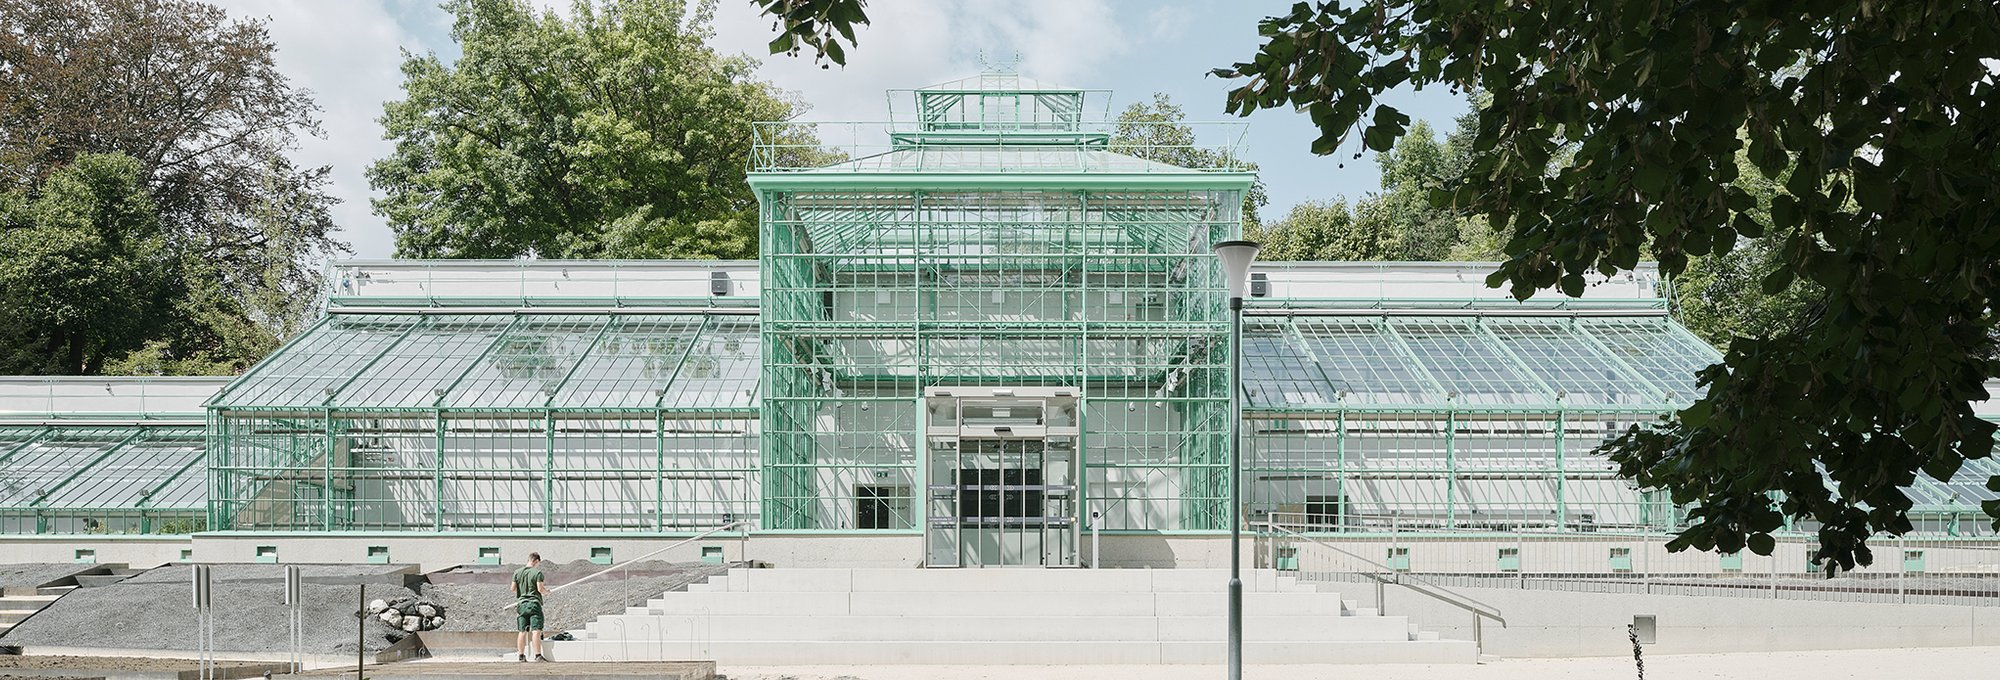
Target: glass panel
[
  {"x": 1668, "y": 356},
  {"x": 1363, "y": 360},
  {"x": 527, "y": 364},
  {"x": 309, "y": 370},
  {"x": 1465, "y": 361},
  {"x": 1566, "y": 360},
  {"x": 417, "y": 370}
]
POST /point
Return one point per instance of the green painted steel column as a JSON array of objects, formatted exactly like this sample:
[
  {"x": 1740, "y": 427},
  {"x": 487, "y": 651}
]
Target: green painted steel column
[
  {"x": 1340, "y": 465},
  {"x": 659, "y": 470},
  {"x": 549, "y": 470},
  {"x": 437, "y": 475},
  {"x": 326, "y": 478},
  {"x": 1562, "y": 474},
  {"x": 1450, "y": 468}
]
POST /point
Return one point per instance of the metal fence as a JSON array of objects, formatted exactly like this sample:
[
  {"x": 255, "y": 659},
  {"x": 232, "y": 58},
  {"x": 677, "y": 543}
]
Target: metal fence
[{"x": 1911, "y": 569}]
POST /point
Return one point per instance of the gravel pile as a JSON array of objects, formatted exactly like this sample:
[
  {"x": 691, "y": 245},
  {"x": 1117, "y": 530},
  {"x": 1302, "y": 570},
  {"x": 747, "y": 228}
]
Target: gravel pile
[
  {"x": 152, "y": 611},
  {"x": 32, "y": 575},
  {"x": 481, "y": 598}
]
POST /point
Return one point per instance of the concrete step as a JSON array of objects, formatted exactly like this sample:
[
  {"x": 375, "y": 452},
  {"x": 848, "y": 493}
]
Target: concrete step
[
  {"x": 997, "y": 603},
  {"x": 54, "y": 591},
  {"x": 1013, "y": 652},
  {"x": 987, "y": 580},
  {"x": 99, "y": 580},
  {"x": 973, "y": 628}
]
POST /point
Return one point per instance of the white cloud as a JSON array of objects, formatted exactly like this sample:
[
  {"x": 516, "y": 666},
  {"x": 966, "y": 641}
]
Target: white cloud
[
  {"x": 348, "y": 54},
  {"x": 911, "y": 44}
]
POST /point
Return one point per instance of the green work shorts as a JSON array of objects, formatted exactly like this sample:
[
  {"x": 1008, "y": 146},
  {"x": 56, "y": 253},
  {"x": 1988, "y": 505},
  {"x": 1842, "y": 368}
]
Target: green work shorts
[{"x": 529, "y": 615}]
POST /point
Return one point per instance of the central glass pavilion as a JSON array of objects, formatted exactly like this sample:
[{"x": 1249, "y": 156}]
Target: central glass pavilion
[{"x": 992, "y": 324}]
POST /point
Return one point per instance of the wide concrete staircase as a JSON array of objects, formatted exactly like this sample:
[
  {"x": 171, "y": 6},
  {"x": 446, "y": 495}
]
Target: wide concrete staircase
[{"x": 1000, "y": 616}]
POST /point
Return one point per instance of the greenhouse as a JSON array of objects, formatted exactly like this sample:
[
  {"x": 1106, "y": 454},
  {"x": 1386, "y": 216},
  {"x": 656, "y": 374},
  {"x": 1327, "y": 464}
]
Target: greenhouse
[{"x": 990, "y": 327}]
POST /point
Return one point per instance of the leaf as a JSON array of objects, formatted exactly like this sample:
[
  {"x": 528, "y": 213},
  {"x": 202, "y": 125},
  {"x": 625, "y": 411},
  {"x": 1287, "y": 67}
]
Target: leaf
[
  {"x": 1696, "y": 414},
  {"x": 1762, "y": 544},
  {"x": 1777, "y": 281},
  {"x": 1572, "y": 285}
]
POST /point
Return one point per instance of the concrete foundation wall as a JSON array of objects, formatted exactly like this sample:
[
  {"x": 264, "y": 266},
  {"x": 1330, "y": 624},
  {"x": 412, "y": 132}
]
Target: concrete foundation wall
[
  {"x": 1559, "y": 624},
  {"x": 137, "y": 551}
]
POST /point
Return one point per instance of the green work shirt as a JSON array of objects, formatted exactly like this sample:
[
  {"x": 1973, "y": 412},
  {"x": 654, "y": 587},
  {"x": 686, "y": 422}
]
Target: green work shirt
[{"x": 525, "y": 581}]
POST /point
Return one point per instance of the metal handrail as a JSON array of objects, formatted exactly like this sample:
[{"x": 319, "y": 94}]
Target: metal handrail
[
  {"x": 642, "y": 558},
  {"x": 1391, "y": 576}
]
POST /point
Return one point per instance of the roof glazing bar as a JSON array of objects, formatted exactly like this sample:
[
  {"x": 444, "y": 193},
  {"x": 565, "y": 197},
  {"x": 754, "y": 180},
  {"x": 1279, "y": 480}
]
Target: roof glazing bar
[
  {"x": 1389, "y": 331},
  {"x": 1515, "y": 359},
  {"x": 80, "y": 469},
  {"x": 387, "y": 348},
  {"x": 38, "y": 436},
  {"x": 660, "y": 401},
  {"x": 549, "y": 399},
  {"x": 1658, "y": 393},
  {"x": 473, "y": 365}
]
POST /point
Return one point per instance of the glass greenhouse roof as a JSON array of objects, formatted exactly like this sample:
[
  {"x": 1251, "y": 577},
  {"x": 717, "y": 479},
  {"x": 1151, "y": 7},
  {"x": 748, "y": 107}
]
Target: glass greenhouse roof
[
  {"x": 511, "y": 361},
  {"x": 1611, "y": 362},
  {"x": 87, "y": 466}
]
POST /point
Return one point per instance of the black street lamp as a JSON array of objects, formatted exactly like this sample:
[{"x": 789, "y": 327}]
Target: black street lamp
[{"x": 1236, "y": 258}]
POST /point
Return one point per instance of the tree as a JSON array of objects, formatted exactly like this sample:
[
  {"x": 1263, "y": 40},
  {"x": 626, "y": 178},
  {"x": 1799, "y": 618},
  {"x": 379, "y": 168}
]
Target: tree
[
  {"x": 1327, "y": 230},
  {"x": 1614, "y": 135},
  {"x": 84, "y": 268},
  {"x": 612, "y": 132},
  {"x": 195, "y": 100},
  {"x": 1397, "y": 223},
  {"x": 1158, "y": 131}
]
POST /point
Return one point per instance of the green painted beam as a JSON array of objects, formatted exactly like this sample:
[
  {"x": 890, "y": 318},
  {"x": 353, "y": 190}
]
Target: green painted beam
[{"x": 1000, "y": 181}]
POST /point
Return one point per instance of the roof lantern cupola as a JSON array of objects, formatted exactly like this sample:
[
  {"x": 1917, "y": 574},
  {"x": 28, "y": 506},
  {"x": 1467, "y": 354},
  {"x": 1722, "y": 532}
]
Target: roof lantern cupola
[{"x": 999, "y": 100}]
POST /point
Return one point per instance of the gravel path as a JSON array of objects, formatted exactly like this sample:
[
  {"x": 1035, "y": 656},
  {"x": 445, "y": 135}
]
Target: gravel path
[
  {"x": 110, "y": 663},
  {"x": 32, "y": 575},
  {"x": 480, "y": 602},
  {"x": 151, "y": 611}
]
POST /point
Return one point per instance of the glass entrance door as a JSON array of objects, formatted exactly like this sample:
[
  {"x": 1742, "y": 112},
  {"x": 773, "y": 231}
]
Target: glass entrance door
[{"x": 1002, "y": 482}]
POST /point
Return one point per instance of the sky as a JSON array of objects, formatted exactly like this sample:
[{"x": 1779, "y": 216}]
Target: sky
[{"x": 347, "y": 53}]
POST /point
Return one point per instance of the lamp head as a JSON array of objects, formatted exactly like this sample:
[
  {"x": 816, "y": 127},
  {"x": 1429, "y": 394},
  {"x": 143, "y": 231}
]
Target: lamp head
[{"x": 1236, "y": 258}]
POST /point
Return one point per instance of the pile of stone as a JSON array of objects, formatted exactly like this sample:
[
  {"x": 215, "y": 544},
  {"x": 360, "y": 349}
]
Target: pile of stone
[{"x": 409, "y": 614}]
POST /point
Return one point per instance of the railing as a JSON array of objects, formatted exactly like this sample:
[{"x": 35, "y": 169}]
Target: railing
[
  {"x": 1383, "y": 575},
  {"x": 742, "y": 545},
  {"x": 552, "y": 283},
  {"x": 902, "y": 146},
  {"x": 1911, "y": 569}
]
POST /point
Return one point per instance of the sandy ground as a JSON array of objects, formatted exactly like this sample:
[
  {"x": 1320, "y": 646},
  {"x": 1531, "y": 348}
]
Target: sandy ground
[{"x": 1956, "y": 662}]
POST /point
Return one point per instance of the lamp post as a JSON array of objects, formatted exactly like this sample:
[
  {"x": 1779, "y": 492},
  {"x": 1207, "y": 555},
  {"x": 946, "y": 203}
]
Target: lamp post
[{"x": 1236, "y": 258}]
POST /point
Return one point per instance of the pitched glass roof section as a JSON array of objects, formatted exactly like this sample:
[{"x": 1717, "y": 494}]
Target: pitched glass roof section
[
  {"x": 87, "y": 466},
  {"x": 509, "y": 361},
  {"x": 1470, "y": 361}
]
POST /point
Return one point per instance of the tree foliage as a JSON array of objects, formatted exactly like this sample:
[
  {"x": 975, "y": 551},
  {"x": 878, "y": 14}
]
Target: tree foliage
[
  {"x": 613, "y": 131},
  {"x": 176, "y": 99},
  {"x": 816, "y": 24},
  {"x": 1614, "y": 135},
  {"x": 1158, "y": 131},
  {"x": 1398, "y": 223},
  {"x": 84, "y": 269}
]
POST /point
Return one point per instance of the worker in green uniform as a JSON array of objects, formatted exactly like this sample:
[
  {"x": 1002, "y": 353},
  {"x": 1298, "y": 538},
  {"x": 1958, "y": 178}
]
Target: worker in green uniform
[{"x": 529, "y": 589}]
